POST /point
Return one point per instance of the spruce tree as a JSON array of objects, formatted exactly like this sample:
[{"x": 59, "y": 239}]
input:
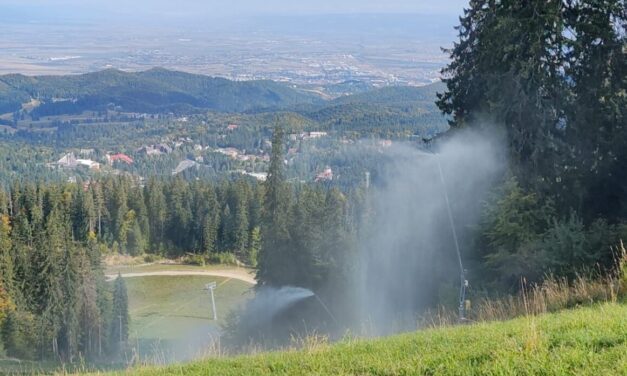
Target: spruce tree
[
  {"x": 507, "y": 69},
  {"x": 241, "y": 224},
  {"x": 275, "y": 255},
  {"x": 6, "y": 260},
  {"x": 157, "y": 212},
  {"x": 69, "y": 328},
  {"x": 594, "y": 177},
  {"x": 118, "y": 337}
]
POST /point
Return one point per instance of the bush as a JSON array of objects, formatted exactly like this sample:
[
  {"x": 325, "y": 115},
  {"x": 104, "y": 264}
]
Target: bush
[
  {"x": 225, "y": 258},
  {"x": 18, "y": 334},
  {"x": 198, "y": 260},
  {"x": 151, "y": 258}
]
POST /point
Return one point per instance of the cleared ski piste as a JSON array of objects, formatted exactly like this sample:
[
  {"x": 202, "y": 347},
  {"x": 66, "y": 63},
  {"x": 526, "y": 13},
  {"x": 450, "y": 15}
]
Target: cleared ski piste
[{"x": 171, "y": 313}]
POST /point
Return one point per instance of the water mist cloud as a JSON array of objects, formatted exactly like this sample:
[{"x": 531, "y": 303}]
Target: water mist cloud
[{"x": 409, "y": 255}]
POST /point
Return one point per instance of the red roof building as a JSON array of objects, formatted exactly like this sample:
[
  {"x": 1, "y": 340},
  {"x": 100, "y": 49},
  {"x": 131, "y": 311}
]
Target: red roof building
[
  {"x": 326, "y": 175},
  {"x": 120, "y": 157}
]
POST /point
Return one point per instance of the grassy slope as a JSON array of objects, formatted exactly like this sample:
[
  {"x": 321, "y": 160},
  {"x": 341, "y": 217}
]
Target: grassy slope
[
  {"x": 171, "y": 316},
  {"x": 169, "y": 307},
  {"x": 587, "y": 341}
]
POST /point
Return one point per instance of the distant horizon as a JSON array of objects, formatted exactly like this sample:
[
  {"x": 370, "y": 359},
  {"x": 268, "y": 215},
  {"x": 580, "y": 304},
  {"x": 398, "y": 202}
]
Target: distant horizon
[
  {"x": 156, "y": 67},
  {"x": 12, "y": 15},
  {"x": 215, "y": 8},
  {"x": 398, "y": 42}
]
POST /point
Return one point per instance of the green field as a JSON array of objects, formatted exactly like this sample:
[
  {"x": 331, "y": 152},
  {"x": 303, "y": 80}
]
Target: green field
[
  {"x": 171, "y": 316},
  {"x": 586, "y": 341}
]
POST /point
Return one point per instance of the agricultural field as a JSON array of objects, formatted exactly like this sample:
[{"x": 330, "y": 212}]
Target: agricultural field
[{"x": 584, "y": 341}]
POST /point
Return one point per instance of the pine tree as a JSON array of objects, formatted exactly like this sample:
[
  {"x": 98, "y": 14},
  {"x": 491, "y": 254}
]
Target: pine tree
[
  {"x": 241, "y": 224},
  {"x": 135, "y": 244},
  {"x": 465, "y": 88},
  {"x": 99, "y": 206},
  {"x": 6, "y": 260},
  {"x": 210, "y": 232},
  {"x": 211, "y": 223},
  {"x": 47, "y": 294},
  {"x": 226, "y": 228},
  {"x": 119, "y": 317},
  {"x": 275, "y": 256},
  {"x": 507, "y": 69},
  {"x": 89, "y": 314},
  {"x": 69, "y": 328},
  {"x": 254, "y": 246},
  {"x": 157, "y": 212},
  {"x": 594, "y": 177}
]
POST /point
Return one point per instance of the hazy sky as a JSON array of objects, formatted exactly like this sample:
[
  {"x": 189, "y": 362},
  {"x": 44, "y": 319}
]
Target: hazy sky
[{"x": 221, "y": 8}]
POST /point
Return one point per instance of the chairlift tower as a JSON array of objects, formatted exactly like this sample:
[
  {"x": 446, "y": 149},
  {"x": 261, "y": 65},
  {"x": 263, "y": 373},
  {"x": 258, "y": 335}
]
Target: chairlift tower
[{"x": 210, "y": 287}]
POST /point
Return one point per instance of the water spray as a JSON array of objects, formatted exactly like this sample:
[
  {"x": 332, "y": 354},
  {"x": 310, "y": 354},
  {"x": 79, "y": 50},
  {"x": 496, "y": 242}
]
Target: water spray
[
  {"x": 463, "y": 280},
  {"x": 326, "y": 309}
]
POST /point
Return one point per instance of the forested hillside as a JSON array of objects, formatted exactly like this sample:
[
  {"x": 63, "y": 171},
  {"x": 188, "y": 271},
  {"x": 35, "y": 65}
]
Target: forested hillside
[
  {"x": 356, "y": 201},
  {"x": 153, "y": 91},
  {"x": 552, "y": 76},
  {"x": 56, "y": 304}
]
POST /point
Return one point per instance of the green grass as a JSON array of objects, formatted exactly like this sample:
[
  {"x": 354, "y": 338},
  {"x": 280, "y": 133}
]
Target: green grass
[
  {"x": 171, "y": 316},
  {"x": 586, "y": 341}
]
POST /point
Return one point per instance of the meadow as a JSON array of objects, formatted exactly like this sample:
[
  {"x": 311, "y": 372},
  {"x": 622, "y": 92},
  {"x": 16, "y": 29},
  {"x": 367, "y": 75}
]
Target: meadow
[
  {"x": 582, "y": 341},
  {"x": 172, "y": 317}
]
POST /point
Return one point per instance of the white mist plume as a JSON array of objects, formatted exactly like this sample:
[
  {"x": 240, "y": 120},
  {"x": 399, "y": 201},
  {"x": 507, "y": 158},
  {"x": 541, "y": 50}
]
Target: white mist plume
[
  {"x": 409, "y": 253},
  {"x": 269, "y": 301}
]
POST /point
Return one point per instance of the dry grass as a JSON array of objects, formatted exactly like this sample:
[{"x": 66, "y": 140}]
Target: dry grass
[{"x": 552, "y": 295}]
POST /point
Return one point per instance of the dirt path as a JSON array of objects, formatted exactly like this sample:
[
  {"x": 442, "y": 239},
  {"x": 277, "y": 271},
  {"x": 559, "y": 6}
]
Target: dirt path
[{"x": 241, "y": 275}]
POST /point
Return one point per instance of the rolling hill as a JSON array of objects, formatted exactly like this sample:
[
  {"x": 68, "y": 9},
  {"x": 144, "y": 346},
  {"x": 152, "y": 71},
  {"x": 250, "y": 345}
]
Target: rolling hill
[
  {"x": 153, "y": 91},
  {"x": 396, "y": 107}
]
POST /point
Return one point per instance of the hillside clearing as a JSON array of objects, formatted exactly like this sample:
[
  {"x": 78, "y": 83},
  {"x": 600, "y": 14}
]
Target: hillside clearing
[
  {"x": 585, "y": 341},
  {"x": 171, "y": 316}
]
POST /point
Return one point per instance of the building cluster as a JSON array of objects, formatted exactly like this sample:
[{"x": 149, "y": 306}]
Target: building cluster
[
  {"x": 239, "y": 155},
  {"x": 69, "y": 161},
  {"x": 157, "y": 149},
  {"x": 325, "y": 175},
  {"x": 261, "y": 176},
  {"x": 307, "y": 135}
]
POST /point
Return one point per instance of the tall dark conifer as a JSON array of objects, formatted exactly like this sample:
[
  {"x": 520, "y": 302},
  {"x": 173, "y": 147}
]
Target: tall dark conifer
[
  {"x": 275, "y": 256},
  {"x": 118, "y": 337}
]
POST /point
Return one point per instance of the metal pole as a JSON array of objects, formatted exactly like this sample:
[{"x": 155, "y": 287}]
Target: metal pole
[
  {"x": 463, "y": 281},
  {"x": 211, "y": 286},
  {"x": 213, "y": 304}
]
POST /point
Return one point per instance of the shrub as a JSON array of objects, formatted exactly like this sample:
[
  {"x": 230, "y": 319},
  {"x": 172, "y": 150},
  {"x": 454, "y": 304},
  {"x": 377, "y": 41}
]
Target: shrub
[
  {"x": 550, "y": 295},
  {"x": 225, "y": 258},
  {"x": 192, "y": 259},
  {"x": 151, "y": 257},
  {"x": 18, "y": 334}
]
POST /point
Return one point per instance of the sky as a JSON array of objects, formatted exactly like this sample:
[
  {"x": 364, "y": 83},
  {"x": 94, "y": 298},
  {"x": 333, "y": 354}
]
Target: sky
[{"x": 182, "y": 9}]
